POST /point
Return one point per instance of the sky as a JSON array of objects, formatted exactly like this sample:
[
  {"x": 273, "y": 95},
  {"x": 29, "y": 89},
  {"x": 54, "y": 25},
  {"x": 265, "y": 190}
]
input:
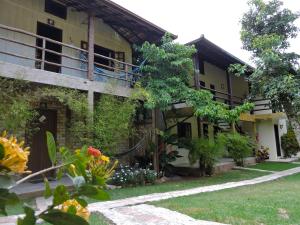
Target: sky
[{"x": 218, "y": 20}]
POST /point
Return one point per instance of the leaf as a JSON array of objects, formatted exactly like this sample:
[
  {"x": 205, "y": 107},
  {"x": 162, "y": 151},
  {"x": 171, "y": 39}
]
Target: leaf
[
  {"x": 51, "y": 147},
  {"x": 59, "y": 173},
  {"x": 93, "y": 192},
  {"x": 57, "y": 217},
  {"x": 2, "y": 151},
  {"x": 82, "y": 202},
  {"x": 60, "y": 195},
  {"x": 72, "y": 209},
  {"x": 29, "y": 218},
  {"x": 7, "y": 198},
  {"x": 6, "y": 181},
  {"x": 48, "y": 191}
]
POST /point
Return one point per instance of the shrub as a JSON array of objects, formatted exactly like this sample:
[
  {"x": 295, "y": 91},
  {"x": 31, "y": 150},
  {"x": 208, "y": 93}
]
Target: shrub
[
  {"x": 129, "y": 176},
  {"x": 289, "y": 143},
  {"x": 262, "y": 154},
  {"x": 150, "y": 176},
  {"x": 207, "y": 152},
  {"x": 238, "y": 146}
]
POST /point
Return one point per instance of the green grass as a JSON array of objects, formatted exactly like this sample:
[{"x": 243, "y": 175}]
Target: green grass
[
  {"x": 274, "y": 166},
  {"x": 271, "y": 203},
  {"x": 234, "y": 175}
]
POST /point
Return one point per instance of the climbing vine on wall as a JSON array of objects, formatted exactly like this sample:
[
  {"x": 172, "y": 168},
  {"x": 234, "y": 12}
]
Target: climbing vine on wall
[{"x": 17, "y": 98}]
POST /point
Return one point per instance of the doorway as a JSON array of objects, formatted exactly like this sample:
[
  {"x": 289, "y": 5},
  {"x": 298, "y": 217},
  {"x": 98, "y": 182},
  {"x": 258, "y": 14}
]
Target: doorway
[
  {"x": 39, "y": 158},
  {"x": 277, "y": 140},
  {"x": 55, "y": 34}
]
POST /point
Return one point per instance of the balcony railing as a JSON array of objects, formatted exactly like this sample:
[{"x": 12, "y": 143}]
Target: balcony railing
[
  {"x": 27, "y": 49},
  {"x": 261, "y": 106},
  {"x": 224, "y": 97}
]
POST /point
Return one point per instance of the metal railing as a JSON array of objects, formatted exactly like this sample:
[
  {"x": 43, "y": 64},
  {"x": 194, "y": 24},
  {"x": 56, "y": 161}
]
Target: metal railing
[
  {"x": 28, "y": 49},
  {"x": 261, "y": 106},
  {"x": 227, "y": 98}
]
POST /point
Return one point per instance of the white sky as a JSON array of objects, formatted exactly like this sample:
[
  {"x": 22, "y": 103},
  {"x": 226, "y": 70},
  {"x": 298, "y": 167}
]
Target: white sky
[{"x": 218, "y": 20}]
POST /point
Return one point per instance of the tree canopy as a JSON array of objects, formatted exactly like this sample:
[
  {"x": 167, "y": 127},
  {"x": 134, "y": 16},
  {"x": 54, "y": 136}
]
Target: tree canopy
[
  {"x": 168, "y": 79},
  {"x": 267, "y": 28}
]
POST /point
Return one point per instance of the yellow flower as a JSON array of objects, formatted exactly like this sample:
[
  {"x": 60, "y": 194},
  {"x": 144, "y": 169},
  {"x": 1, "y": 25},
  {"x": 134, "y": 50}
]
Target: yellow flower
[
  {"x": 104, "y": 158},
  {"x": 80, "y": 211},
  {"x": 15, "y": 157}
]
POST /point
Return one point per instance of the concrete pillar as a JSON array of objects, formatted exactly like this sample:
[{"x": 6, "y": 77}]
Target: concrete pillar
[{"x": 91, "y": 43}]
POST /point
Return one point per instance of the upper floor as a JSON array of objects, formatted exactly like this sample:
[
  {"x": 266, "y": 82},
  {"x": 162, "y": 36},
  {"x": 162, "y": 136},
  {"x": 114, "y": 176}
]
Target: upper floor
[
  {"x": 212, "y": 64},
  {"x": 91, "y": 40}
]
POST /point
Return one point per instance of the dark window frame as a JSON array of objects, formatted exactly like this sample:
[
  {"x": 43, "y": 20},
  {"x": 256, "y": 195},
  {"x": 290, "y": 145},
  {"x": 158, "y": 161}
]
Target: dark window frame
[
  {"x": 184, "y": 130},
  {"x": 57, "y": 9}
]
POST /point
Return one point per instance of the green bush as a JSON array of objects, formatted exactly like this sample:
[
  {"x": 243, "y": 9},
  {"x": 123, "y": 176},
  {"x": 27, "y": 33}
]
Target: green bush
[
  {"x": 238, "y": 146},
  {"x": 207, "y": 152},
  {"x": 289, "y": 144},
  {"x": 129, "y": 176}
]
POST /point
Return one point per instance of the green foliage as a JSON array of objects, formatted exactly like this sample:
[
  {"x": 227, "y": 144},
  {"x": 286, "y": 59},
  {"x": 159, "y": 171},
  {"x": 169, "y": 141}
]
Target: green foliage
[
  {"x": 93, "y": 192},
  {"x": 60, "y": 195},
  {"x": 2, "y": 152},
  {"x": 238, "y": 146},
  {"x": 29, "y": 218},
  {"x": 51, "y": 147},
  {"x": 15, "y": 109},
  {"x": 168, "y": 74},
  {"x": 267, "y": 28},
  {"x": 48, "y": 191},
  {"x": 57, "y": 217},
  {"x": 206, "y": 152},
  {"x": 129, "y": 176},
  {"x": 289, "y": 144},
  {"x": 113, "y": 122},
  {"x": 7, "y": 198}
]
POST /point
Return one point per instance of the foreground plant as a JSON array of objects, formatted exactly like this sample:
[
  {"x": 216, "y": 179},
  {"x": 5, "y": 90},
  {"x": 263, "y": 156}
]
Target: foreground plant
[{"x": 87, "y": 167}]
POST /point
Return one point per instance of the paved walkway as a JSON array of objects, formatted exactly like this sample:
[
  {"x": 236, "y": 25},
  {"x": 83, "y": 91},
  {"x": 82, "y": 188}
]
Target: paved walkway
[
  {"x": 150, "y": 215},
  {"x": 121, "y": 208}
]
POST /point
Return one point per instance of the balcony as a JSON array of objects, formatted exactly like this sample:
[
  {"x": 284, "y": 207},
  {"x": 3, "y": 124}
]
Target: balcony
[{"x": 32, "y": 51}]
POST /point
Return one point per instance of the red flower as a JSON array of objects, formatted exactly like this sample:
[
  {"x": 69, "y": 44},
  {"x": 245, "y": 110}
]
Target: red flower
[{"x": 94, "y": 152}]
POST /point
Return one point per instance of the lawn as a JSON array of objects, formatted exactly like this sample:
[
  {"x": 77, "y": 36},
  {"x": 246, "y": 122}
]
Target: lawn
[
  {"x": 274, "y": 166},
  {"x": 233, "y": 175},
  {"x": 271, "y": 203}
]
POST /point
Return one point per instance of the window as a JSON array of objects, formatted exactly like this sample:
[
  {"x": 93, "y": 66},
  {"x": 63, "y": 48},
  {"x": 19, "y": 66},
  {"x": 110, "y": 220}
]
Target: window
[
  {"x": 212, "y": 87},
  {"x": 101, "y": 61},
  {"x": 56, "y": 9},
  {"x": 121, "y": 57},
  {"x": 205, "y": 130},
  {"x": 184, "y": 130},
  {"x": 201, "y": 66},
  {"x": 202, "y": 84},
  {"x": 216, "y": 131}
]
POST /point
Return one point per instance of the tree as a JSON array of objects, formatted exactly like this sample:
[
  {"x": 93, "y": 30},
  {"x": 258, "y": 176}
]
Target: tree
[
  {"x": 168, "y": 73},
  {"x": 267, "y": 28}
]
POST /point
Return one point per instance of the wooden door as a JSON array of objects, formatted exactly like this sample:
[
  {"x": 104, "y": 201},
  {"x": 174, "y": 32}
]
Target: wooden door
[{"x": 39, "y": 158}]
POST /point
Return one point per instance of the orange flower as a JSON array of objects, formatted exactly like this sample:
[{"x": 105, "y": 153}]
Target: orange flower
[
  {"x": 94, "y": 152},
  {"x": 80, "y": 211}
]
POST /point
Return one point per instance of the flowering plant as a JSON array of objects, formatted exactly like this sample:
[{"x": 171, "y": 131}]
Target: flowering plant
[{"x": 88, "y": 168}]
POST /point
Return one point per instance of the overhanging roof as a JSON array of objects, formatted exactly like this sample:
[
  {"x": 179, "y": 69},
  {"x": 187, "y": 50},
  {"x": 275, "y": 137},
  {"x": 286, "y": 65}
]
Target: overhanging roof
[
  {"x": 210, "y": 52},
  {"x": 132, "y": 27}
]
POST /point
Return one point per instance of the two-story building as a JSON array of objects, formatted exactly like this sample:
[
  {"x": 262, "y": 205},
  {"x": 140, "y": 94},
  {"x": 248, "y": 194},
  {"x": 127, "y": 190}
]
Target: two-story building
[
  {"x": 84, "y": 45},
  {"x": 211, "y": 64}
]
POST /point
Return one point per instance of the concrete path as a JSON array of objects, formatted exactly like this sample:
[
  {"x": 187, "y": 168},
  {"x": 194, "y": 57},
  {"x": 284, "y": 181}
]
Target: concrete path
[
  {"x": 150, "y": 215},
  {"x": 99, "y": 206}
]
